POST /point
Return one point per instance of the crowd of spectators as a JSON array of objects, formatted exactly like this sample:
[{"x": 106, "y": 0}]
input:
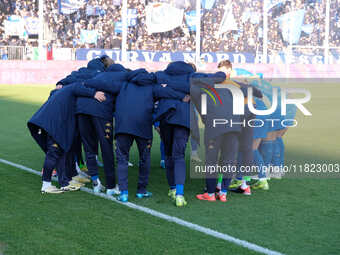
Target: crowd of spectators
[
  {"x": 66, "y": 29},
  {"x": 334, "y": 37},
  {"x": 63, "y": 30},
  {"x": 20, "y": 8}
]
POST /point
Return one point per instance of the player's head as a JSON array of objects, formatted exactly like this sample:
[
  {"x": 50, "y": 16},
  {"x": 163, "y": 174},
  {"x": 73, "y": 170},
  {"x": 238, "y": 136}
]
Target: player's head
[
  {"x": 193, "y": 66},
  {"x": 107, "y": 61},
  {"x": 226, "y": 67}
]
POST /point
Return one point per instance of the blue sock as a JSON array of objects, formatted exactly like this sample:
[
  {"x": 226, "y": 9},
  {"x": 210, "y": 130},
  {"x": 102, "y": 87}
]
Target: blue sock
[
  {"x": 276, "y": 153},
  {"x": 162, "y": 151},
  {"x": 239, "y": 174},
  {"x": 282, "y": 151},
  {"x": 172, "y": 187},
  {"x": 225, "y": 184},
  {"x": 94, "y": 178},
  {"x": 180, "y": 189},
  {"x": 266, "y": 150},
  {"x": 224, "y": 191},
  {"x": 124, "y": 192},
  {"x": 258, "y": 160}
]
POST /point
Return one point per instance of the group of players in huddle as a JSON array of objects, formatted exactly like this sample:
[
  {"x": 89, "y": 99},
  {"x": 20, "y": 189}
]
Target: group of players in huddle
[{"x": 106, "y": 101}]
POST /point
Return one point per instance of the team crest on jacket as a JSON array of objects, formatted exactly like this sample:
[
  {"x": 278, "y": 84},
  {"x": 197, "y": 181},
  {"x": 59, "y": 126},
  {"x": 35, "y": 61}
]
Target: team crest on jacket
[
  {"x": 108, "y": 124},
  {"x": 107, "y": 130}
]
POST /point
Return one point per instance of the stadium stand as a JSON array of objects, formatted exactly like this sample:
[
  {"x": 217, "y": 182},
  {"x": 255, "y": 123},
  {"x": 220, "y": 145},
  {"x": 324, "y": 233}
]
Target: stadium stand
[{"x": 64, "y": 30}]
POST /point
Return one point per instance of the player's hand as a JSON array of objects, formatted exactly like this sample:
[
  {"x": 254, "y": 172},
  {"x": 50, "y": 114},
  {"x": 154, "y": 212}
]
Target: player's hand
[
  {"x": 186, "y": 99},
  {"x": 100, "y": 96},
  {"x": 59, "y": 86}
]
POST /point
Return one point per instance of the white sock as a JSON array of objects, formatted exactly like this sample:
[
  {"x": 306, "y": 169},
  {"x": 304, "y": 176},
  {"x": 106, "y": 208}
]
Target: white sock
[
  {"x": 77, "y": 168},
  {"x": 244, "y": 184},
  {"x": 45, "y": 185},
  {"x": 219, "y": 185}
]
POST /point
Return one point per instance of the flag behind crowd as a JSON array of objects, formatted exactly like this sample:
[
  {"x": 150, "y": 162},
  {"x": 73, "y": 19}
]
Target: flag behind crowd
[
  {"x": 70, "y": 6},
  {"x": 162, "y": 17}
]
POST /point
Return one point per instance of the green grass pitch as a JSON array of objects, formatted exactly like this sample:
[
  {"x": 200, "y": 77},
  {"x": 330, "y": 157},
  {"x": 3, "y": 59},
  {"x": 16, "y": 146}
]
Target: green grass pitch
[{"x": 297, "y": 216}]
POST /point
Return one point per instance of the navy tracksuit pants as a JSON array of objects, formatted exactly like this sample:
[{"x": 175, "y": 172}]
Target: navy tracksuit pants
[
  {"x": 175, "y": 139},
  {"x": 57, "y": 159},
  {"x": 225, "y": 145},
  {"x": 91, "y": 130},
  {"x": 123, "y": 145},
  {"x": 246, "y": 153},
  {"x": 78, "y": 150}
]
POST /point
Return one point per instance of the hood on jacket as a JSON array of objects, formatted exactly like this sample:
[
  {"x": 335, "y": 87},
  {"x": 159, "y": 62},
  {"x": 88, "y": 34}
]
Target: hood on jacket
[
  {"x": 116, "y": 68},
  {"x": 82, "y": 69},
  {"x": 179, "y": 68},
  {"x": 96, "y": 64},
  {"x": 141, "y": 77}
]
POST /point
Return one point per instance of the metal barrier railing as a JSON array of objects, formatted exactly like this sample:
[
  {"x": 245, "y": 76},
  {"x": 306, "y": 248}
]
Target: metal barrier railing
[
  {"x": 12, "y": 52},
  {"x": 32, "y": 53}
]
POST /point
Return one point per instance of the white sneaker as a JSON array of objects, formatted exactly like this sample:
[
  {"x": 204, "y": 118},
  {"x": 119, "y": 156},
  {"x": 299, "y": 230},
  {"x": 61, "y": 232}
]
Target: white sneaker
[
  {"x": 195, "y": 157},
  {"x": 77, "y": 184},
  {"x": 98, "y": 188},
  {"x": 114, "y": 191},
  {"x": 51, "y": 190},
  {"x": 70, "y": 187},
  {"x": 81, "y": 179},
  {"x": 276, "y": 174}
]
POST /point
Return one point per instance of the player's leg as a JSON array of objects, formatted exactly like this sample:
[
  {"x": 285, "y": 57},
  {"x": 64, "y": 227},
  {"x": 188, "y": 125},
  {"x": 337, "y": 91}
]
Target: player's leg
[
  {"x": 166, "y": 132},
  {"x": 282, "y": 146},
  {"x": 123, "y": 145},
  {"x": 53, "y": 155},
  {"x": 144, "y": 149},
  {"x": 266, "y": 150},
  {"x": 162, "y": 150},
  {"x": 236, "y": 182},
  {"x": 64, "y": 169},
  {"x": 261, "y": 183},
  {"x": 260, "y": 133},
  {"x": 79, "y": 166},
  {"x": 180, "y": 140},
  {"x": 104, "y": 133},
  {"x": 212, "y": 148},
  {"x": 245, "y": 159},
  {"x": 278, "y": 153},
  {"x": 194, "y": 150},
  {"x": 229, "y": 152},
  {"x": 89, "y": 139},
  {"x": 161, "y": 145},
  {"x": 79, "y": 155}
]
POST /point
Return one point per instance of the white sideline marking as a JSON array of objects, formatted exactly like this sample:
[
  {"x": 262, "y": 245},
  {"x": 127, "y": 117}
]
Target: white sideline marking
[{"x": 166, "y": 217}]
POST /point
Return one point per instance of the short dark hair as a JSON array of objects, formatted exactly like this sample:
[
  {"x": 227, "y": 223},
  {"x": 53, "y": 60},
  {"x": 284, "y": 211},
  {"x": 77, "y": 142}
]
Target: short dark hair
[
  {"x": 225, "y": 63},
  {"x": 193, "y": 66},
  {"x": 102, "y": 58}
]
